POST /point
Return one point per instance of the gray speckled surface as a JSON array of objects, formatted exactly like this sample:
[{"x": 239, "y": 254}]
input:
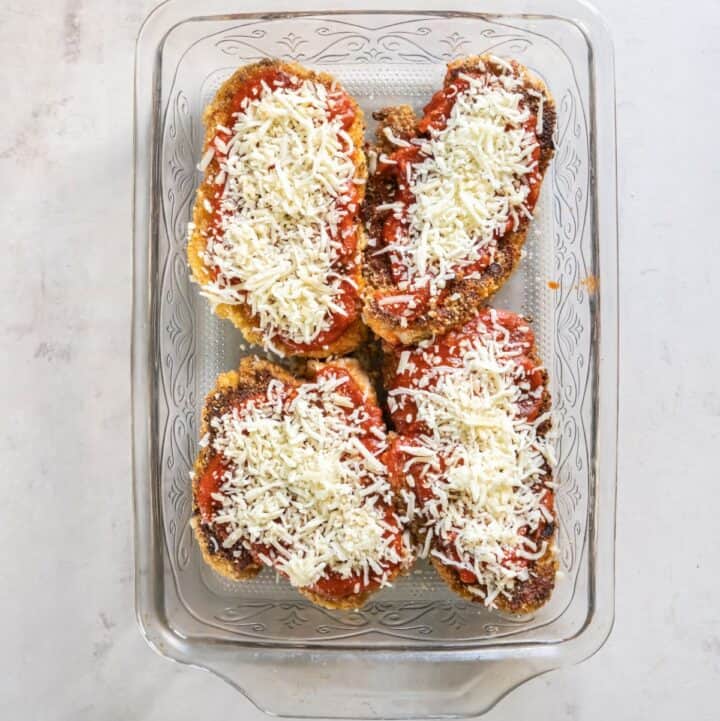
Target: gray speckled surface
[{"x": 72, "y": 649}]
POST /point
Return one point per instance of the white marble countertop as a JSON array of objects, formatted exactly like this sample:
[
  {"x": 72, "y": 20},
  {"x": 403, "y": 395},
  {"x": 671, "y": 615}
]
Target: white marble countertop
[{"x": 73, "y": 651}]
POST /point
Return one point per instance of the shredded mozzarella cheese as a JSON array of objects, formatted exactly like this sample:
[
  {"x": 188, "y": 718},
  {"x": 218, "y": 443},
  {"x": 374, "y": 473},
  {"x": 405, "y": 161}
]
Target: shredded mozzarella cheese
[
  {"x": 287, "y": 169},
  {"x": 471, "y": 184},
  {"x": 488, "y": 493},
  {"x": 294, "y": 486}
]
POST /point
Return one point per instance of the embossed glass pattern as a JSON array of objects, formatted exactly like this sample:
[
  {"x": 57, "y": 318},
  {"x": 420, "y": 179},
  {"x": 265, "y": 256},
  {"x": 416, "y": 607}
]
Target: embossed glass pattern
[{"x": 446, "y": 656}]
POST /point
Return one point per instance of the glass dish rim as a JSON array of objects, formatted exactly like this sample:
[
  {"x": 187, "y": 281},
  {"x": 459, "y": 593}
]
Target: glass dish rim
[{"x": 161, "y": 21}]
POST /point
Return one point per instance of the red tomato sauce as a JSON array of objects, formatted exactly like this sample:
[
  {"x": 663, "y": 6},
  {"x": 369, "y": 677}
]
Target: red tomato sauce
[
  {"x": 340, "y": 106},
  {"x": 212, "y": 478},
  {"x": 210, "y": 483}
]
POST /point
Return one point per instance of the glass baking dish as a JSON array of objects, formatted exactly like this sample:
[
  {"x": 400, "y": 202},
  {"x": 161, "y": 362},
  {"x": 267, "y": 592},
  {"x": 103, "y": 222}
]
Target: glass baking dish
[{"x": 416, "y": 650}]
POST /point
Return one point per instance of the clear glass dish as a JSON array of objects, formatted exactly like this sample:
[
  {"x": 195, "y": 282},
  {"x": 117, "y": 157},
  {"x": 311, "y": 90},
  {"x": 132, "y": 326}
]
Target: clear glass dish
[{"x": 416, "y": 650}]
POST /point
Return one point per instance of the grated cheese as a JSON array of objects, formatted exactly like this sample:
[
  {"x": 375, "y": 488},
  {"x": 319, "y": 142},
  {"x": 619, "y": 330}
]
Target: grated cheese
[
  {"x": 392, "y": 138},
  {"x": 287, "y": 168},
  {"x": 392, "y": 299},
  {"x": 495, "y": 473},
  {"x": 472, "y": 182},
  {"x": 206, "y": 158},
  {"x": 294, "y": 485}
]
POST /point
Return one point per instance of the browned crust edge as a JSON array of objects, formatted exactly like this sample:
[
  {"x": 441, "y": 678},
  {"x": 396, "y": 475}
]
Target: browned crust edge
[
  {"x": 218, "y": 113},
  {"x": 528, "y": 597},
  {"x": 472, "y": 293},
  {"x": 349, "y": 603},
  {"x": 252, "y": 376}
]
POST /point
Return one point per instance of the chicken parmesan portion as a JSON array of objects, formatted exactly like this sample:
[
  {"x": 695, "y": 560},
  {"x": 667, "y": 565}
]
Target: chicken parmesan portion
[
  {"x": 451, "y": 196},
  {"x": 473, "y": 458},
  {"x": 275, "y": 239},
  {"x": 291, "y": 475}
]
